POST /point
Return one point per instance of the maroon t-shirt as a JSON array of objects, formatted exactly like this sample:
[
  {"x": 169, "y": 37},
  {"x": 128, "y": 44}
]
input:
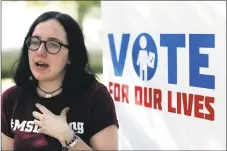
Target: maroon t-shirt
[{"x": 88, "y": 115}]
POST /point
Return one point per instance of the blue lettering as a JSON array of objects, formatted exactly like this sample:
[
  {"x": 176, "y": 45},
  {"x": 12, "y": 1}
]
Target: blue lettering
[
  {"x": 119, "y": 64},
  {"x": 172, "y": 41},
  {"x": 197, "y": 60}
]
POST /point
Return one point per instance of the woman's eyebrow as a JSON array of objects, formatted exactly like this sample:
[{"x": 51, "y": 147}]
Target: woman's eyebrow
[
  {"x": 53, "y": 38},
  {"x": 36, "y": 36},
  {"x": 49, "y": 38}
]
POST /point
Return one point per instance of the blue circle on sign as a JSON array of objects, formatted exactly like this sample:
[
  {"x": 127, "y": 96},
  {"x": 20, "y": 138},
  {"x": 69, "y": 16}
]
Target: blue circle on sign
[{"x": 144, "y": 57}]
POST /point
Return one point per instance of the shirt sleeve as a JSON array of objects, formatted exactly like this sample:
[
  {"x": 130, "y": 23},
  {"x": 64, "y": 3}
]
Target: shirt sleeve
[
  {"x": 6, "y": 114},
  {"x": 103, "y": 113}
]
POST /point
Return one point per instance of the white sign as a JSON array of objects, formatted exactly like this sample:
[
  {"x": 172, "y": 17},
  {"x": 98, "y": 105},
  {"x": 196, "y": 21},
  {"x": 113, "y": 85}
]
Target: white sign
[{"x": 165, "y": 67}]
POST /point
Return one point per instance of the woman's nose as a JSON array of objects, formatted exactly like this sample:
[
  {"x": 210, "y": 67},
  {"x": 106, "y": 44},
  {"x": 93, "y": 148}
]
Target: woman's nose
[{"x": 42, "y": 50}]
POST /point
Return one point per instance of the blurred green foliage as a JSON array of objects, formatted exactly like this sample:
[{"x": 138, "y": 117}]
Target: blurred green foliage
[
  {"x": 82, "y": 7},
  {"x": 9, "y": 58}
]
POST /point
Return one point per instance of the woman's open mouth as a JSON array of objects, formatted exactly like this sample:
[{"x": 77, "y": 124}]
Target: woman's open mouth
[{"x": 41, "y": 65}]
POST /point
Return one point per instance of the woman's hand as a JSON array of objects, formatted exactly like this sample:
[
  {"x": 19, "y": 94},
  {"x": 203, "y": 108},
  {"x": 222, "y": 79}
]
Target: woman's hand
[{"x": 53, "y": 125}]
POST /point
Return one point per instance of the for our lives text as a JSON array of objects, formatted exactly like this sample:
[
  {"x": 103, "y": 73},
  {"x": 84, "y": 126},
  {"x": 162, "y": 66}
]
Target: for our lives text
[{"x": 188, "y": 104}]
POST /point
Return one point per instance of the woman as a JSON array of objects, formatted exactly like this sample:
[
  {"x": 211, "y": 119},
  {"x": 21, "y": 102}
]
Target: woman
[{"x": 57, "y": 103}]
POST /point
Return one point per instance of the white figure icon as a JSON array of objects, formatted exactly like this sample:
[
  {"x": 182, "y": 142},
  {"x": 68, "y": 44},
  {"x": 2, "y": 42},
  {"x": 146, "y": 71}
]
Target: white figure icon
[{"x": 145, "y": 59}]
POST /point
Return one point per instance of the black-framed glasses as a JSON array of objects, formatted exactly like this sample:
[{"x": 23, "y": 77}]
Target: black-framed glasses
[{"x": 52, "y": 46}]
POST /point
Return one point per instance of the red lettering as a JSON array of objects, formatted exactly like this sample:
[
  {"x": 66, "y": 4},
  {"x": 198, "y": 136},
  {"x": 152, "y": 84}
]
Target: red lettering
[
  {"x": 138, "y": 95},
  {"x": 198, "y": 106},
  {"x": 178, "y": 103},
  {"x": 208, "y": 102},
  {"x": 119, "y": 92},
  {"x": 158, "y": 99},
  {"x": 148, "y": 100},
  {"x": 146, "y": 97},
  {"x": 187, "y": 103},
  {"x": 170, "y": 107},
  {"x": 124, "y": 92}
]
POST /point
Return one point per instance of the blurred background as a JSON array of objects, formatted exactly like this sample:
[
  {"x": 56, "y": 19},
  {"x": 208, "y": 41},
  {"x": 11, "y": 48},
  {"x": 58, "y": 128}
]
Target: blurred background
[{"x": 17, "y": 16}]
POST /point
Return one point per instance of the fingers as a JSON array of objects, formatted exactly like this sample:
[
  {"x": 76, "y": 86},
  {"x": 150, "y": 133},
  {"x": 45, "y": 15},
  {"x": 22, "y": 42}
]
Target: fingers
[
  {"x": 40, "y": 130},
  {"x": 37, "y": 115},
  {"x": 42, "y": 108},
  {"x": 38, "y": 123},
  {"x": 64, "y": 111}
]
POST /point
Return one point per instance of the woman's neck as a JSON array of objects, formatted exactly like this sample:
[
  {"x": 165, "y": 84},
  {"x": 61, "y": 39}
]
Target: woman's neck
[
  {"x": 48, "y": 89},
  {"x": 49, "y": 86}
]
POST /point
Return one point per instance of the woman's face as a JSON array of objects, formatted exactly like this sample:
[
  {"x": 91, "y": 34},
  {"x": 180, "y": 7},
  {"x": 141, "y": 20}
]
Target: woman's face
[{"x": 45, "y": 66}]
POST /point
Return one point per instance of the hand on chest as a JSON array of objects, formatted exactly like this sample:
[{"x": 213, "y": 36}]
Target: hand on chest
[
  {"x": 26, "y": 131},
  {"x": 23, "y": 119}
]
